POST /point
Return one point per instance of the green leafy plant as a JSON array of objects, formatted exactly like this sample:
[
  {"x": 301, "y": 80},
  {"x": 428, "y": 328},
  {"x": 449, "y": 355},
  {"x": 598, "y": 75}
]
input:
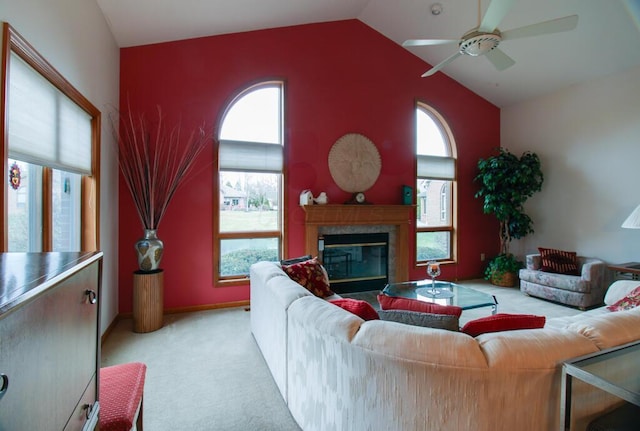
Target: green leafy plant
[
  {"x": 501, "y": 265},
  {"x": 506, "y": 182}
]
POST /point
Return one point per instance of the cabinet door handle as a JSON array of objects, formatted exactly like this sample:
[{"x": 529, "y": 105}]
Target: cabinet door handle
[
  {"x": 93, "y": 298},
  {"x": 4, "y": 379}
]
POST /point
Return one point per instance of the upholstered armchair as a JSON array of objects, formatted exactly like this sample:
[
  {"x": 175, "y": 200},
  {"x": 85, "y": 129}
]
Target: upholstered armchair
[{"x": 582, "y": 291}]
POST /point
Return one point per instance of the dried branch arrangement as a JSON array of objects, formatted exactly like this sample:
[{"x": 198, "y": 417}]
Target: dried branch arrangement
[{"x": 154, "y": 162}]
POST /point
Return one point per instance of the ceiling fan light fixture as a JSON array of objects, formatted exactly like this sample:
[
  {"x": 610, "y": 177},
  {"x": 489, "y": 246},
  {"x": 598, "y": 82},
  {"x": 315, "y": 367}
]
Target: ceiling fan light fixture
[
  {"x": 485, "y": 38},
  {"x": 477, "y": 44}
]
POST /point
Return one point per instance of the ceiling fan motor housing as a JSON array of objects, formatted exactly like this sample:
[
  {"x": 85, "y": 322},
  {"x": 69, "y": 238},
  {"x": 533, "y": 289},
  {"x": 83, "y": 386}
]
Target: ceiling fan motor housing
[{"x": 477, "y": 43}]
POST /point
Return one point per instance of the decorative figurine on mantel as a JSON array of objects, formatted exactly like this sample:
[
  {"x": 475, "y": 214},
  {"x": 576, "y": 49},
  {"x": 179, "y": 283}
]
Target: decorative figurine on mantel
[{"x": 322, "y": 199}]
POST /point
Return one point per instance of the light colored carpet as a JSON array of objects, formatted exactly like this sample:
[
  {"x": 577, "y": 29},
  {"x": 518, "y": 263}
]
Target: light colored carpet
[{"x": 205, "y": 371}]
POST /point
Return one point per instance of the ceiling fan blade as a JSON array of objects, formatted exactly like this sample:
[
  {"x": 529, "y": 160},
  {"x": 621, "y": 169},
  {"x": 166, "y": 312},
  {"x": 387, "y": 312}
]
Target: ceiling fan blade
[
  {"x": 440, "y": 65},
  {"x": 547, "y": 27},
  {"x": 493, "y": 16},
  {"x": 499, "y": 59},
  {"x": 425, "y": 42}
]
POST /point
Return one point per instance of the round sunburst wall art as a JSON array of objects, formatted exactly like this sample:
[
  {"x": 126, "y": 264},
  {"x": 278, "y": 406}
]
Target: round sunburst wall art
[{"x": 354, "y": 163}]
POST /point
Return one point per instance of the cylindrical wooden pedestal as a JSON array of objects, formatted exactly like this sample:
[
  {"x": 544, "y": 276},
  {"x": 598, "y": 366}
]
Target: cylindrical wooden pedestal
[{"x": 148, "y": 301}]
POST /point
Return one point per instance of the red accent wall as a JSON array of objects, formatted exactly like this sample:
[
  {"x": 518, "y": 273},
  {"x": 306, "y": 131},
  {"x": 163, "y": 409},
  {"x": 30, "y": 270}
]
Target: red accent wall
[{"x": 340, "y": 77}]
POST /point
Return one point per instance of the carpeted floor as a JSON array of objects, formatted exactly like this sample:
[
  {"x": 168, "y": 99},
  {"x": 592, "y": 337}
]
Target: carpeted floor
[{"x": 205, "y": 371}]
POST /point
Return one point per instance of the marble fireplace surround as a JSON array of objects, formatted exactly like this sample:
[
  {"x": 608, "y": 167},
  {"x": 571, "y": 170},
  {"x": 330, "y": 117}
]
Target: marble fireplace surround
[{"x": 339, "y": 219}]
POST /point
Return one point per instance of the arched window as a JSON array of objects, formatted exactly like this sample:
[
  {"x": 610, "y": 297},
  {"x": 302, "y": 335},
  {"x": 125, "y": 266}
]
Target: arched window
[
  {"x": 250, "y": 162},
  {"x": 436, "y": 175}
]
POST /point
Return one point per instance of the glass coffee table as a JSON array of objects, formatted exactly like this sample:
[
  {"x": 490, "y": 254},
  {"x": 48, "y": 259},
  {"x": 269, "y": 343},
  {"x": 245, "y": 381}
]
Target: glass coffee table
[{"x": 464, "y": 297}]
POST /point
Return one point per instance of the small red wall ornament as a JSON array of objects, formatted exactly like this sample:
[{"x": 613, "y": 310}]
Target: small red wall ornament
[{"x": 15, "y": 176}]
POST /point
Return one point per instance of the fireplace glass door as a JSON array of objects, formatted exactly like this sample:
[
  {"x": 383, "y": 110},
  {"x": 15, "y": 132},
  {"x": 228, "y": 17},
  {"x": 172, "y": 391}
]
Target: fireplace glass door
[{"x": 356, "y": 262}]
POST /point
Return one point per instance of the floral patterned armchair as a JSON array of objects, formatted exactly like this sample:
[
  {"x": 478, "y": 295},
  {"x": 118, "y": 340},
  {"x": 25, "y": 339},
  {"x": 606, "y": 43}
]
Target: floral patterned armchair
[{"x": 584, "y": 290}]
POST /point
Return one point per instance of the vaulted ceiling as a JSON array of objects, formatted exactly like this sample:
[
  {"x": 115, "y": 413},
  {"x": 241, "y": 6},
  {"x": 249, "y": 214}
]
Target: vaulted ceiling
[{"x": 606, "y": 40}]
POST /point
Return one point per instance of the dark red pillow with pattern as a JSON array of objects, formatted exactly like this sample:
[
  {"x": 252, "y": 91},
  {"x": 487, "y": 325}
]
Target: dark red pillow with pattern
[
  {"x": 632, "y": 300},
  {"x": 558, "y": 261},
  {"x": 358, "y": 307},
  {"x": 399, "y": 303},
  {"x": 503, "y": 322},
  {"x": 311, "y": 275}
]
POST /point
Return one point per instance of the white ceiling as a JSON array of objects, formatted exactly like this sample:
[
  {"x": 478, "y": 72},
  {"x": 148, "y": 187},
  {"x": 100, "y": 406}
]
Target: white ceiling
[{"x": 607, "y": 39}]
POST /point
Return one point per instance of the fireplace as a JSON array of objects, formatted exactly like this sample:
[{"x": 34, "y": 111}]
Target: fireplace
[
  {"x": 355, "y": 262},
  {"x": 322, "y": 220}
]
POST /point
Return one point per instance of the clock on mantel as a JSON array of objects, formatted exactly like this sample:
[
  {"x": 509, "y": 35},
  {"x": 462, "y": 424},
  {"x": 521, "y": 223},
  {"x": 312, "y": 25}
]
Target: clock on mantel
[{"x": 354, "y": 163}]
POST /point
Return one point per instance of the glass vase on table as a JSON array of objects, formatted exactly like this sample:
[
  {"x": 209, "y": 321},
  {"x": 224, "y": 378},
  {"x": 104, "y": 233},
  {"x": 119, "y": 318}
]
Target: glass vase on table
[{"x": 433, "y": 270}]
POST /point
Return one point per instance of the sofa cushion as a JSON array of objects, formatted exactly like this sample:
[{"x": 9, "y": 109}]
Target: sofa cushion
[
  {"x": 416, "y": 318},
  {"x": 503, "y": 322},
  {"x": 399, "y": 303},
  {"x": 619, "y": 289},
  {"x": 358, "y": 307},
  {"x": 293, "y": 260},
  {"x": 533, "y": 349},
  {"x": 312, "y": 275},
  {"x": 559, "y": 261},
  {"x": 417, "y": 346},
  {"x": 610, "y": 329},
  {"x": 573, "y": 283},
  {"x": 632, "y": 300}
]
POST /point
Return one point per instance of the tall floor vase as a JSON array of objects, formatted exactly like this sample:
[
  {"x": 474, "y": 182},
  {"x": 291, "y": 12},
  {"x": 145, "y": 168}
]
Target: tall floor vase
[
  {"x": 148, "y": 284},
  {"x": 149, "y": 249}
]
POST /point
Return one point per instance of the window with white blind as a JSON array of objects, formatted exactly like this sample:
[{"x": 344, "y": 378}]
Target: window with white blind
[
  {"x": 435, "y": 187},
  {"x": 51, "y": 156},
  {"x": 46, "y": 127},
  {"x": 250, "y": 165}
]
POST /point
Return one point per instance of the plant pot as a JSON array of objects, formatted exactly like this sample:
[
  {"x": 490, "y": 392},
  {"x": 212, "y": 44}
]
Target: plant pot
[{"x": 505, "y": 279}]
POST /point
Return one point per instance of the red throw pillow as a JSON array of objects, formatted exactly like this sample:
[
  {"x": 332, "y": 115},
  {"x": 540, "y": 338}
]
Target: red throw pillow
[
  {"x": 311, "y": 275},
  {"x": 558, "y": 261},
  {"x": 399, "y": 303},
  {"x": 358, "y": 307},
  {"x": 503, "y": 322},
  {"x": 630, "y": 301}
]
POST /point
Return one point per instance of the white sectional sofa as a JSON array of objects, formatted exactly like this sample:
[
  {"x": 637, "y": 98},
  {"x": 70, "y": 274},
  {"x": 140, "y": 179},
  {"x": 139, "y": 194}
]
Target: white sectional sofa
[{"x": 338, "y": 372}]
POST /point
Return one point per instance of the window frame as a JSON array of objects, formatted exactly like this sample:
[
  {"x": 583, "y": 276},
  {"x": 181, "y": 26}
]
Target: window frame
[
  {"x": 12, "y": 41},
  {"x": 449, "y": 140},
  {"x": 238, "y": 280}
]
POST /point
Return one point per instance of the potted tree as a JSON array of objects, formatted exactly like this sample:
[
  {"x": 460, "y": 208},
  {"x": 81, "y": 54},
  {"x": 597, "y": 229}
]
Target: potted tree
[{"x": 506, "y": 182}]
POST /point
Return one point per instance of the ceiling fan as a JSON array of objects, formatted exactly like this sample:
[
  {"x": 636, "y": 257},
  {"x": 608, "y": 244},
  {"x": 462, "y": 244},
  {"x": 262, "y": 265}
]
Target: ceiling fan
[{"x": 485, "y": 38}]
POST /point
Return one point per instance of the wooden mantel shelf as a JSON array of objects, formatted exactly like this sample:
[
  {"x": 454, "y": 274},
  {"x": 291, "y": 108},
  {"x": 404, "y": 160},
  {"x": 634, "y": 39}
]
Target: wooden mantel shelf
[
  {"x": 331, "y": 215},
  {"x": 350, "y": 215}
]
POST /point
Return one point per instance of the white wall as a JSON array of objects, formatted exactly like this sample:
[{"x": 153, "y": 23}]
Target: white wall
[
  {"x": 74, "y": 37},
  {"x": 588, "y": 139}
]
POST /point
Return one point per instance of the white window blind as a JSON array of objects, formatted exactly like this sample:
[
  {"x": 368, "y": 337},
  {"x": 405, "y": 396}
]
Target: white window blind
[
  {"x": 250, "y": 156},
  {"x": 441, "y": 168},
  {"x": 46, "y": 127}
]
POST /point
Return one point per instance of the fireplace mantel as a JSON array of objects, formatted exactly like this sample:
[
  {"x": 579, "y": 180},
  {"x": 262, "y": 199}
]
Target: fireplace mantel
[{"x": 350, "y": 215}]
